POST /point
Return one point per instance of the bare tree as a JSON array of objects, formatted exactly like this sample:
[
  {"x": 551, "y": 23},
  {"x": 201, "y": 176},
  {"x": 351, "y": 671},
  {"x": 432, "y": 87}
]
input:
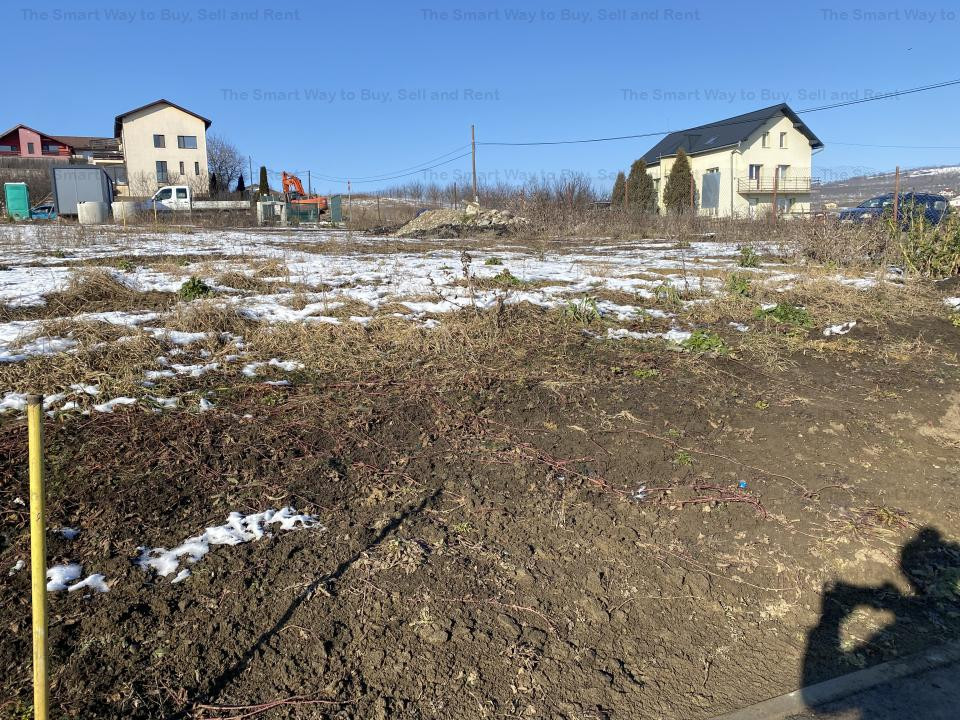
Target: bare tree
[{"x": 224, "y": 160}]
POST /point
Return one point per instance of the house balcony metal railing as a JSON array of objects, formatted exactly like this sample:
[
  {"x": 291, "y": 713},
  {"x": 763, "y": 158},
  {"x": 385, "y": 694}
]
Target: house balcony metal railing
[
  {"x": 746, "y": 186},
  {"x": 44, "y": 154}
]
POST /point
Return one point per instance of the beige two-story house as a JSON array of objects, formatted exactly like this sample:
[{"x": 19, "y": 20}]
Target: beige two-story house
[
  {"x": 741, "y": 163},
  {"x": 163, "y": 144}
]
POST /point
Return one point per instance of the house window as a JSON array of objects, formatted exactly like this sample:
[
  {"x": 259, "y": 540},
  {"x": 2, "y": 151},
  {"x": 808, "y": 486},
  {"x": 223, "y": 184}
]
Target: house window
[
  {"x": 713, "y": 170},
  {"x": 765, "y": 140},
  {"x": 783, "y": 139},
  {"x": 117, "y": 173},
  {"x": 755, "y": 171},
  {"x": 161, "y": 170},
  {"x": 196, "y": 168},
  {"x": 159, "y": 141},
  {"x": 753, "y": 207},
  {"x": 187, "y": 142},
  {"x": 782, "y": 172},
  {"x": 181, "y": 167},
  {"x": 29, "y": 148}
]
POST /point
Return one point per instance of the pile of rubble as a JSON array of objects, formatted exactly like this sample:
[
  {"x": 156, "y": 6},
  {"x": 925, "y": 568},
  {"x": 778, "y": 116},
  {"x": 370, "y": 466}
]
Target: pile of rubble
[{"x": 471, "y": 221}]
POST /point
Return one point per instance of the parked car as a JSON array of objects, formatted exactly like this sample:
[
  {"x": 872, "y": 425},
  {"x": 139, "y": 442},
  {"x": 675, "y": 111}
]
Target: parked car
[
  {"x": 43, "y": 211},
  {"x": 180, "y": 198},
  {"x": 934, "y": 208}
]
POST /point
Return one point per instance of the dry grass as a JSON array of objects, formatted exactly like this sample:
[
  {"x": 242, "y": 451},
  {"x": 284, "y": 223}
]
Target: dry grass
[
  {"x": 499, "y": 342},
  {"x": 117, "y": 367},
  {"x": 96, "y": 287},
  {"x": 269, "y": 268},
  {"x": 210, "y": 316},
  {"x": 92, "y": 290},
  {"x": 239, "y": 280},
  {"x": 85, "y": 332}
]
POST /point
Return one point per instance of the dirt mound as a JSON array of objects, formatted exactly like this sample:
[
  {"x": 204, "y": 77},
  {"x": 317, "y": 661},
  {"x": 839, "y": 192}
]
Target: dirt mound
[{"x": 462, "y": 223}]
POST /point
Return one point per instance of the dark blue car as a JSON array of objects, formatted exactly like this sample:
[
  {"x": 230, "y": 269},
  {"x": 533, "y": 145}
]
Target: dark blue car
[{"x": 933, "y": 207}]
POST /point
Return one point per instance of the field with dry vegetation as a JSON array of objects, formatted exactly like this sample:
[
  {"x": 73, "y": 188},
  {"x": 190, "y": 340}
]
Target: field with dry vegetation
[{"x": 609, "y": 473}]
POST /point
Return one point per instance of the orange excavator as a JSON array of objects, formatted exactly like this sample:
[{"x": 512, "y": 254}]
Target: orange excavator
[{"x": 294, "y": 194}]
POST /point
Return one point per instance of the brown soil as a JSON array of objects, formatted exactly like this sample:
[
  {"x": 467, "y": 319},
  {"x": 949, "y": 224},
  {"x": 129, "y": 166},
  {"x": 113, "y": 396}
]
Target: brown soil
[{"x": 483, "y": 556}]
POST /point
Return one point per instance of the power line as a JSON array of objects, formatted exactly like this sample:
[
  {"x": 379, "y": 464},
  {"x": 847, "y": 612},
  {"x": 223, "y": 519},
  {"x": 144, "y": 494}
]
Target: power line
[
  {"x": 845, "y": 103},
  {"x": 393, "y": 177},
  {"x": 414, "y": 169},
  {"x": 883, "y": 96},
  {"x": 575, "y": 142},
  {"x": 898, "y": 147},
  {"x": 445, "y": 162},
  {"x": 381, "y": 176}
]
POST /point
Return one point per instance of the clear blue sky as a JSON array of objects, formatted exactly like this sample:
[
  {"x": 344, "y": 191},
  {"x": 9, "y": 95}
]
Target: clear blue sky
[{"x": 347, "y": 89}]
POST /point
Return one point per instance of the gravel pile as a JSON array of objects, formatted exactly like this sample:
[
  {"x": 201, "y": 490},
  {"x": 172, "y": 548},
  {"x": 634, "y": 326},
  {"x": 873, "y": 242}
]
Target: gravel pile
[{"x": 461, "y": 223}]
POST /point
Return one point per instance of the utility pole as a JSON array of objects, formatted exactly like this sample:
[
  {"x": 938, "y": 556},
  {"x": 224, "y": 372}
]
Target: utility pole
[
  {"x": 896, "y": 195},
  {"x": 349, "y": 198},
  {"x": 309, "y": 185},
  {"x": 473, "y": 151},
  {"x": 250, "y": 168}
]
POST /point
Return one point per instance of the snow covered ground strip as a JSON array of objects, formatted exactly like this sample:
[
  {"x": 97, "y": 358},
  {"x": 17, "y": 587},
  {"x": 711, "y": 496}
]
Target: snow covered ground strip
[{"x": 320, "y": 274}]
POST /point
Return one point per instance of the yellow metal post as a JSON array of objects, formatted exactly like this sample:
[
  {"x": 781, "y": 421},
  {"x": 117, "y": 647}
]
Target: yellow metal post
[{"x": 38, "y": 556}]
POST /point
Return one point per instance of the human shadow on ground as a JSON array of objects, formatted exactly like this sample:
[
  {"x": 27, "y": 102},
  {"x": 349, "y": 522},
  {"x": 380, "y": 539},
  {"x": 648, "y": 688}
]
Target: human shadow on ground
[{"x": 923, "y": 617}]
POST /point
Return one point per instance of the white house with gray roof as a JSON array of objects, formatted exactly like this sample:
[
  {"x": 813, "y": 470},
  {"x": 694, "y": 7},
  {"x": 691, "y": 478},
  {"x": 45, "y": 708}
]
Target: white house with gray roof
[{"x": 741, "y": 163}]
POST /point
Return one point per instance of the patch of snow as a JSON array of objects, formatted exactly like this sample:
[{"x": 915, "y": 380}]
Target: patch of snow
[
  {"x": 109, "y": 405},
  {"x": 69, "y": 533},
  {"x": 739, "y": 327},
  {"x": 59, "y": 576},
  {"x": 39, "y": 346},
  {"x": 237, "y": 530},
  {"x": 251, "y": 369},
  {"x": 94, "y": 582},
  {"x": 953, "y": 302},
  {"x": 17, "y": 567},
  {"x": 841, "y": 329},
  {"x": 673, "y": 335},
  {"x": 177, "y": 337}
]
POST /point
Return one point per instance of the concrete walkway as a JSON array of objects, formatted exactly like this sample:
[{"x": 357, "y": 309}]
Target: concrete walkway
[
  {"x": 925, "y": 685},
  {"x": 932, "y": 695}
]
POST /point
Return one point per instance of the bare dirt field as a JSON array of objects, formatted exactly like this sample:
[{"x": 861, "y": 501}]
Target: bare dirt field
[{"x": 593, "y": 478}]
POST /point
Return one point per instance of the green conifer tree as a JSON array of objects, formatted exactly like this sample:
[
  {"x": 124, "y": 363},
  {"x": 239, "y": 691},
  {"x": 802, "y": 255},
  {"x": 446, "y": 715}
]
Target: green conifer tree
[
  {"x": 676, "y": 193},
  {"x": 264, "y": 184},
  {"x": 619, "y": 188},
  {"x": 641, "y": 194}
]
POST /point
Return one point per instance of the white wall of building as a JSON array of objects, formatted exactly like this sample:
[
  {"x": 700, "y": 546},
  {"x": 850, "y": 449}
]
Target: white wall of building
[
  {"x": 733, "y": 164},
  {"x": 137, "y": 137}
]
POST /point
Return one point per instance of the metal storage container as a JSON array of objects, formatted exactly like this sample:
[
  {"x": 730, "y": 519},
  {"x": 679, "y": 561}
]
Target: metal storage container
[{"x": 79, "y": 183}]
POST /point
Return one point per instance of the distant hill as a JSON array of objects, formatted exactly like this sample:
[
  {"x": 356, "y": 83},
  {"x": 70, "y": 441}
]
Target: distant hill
[{"x": 854, "y": 190}]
